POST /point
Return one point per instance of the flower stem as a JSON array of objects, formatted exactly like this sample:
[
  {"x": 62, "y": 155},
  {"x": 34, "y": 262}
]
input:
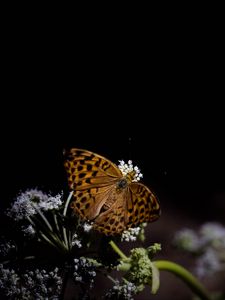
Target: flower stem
[
  {"x": 56, "y": 222},
  {"x": 112, "y": 279},
  {"x": 185, "y": 275},
  {"x": 64, "y": 213},
  {"x": 67, "y": 203},
  {"x": 47, "y": 235},
  {"x": 43, "y": 217},
  {"x": 117, "y": 250}
]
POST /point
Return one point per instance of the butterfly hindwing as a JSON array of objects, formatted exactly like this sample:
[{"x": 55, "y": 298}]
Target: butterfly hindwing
[
  {"x": 142, "y": 204},
  {"x": 89, "y": 203},
  {"x": 114, "y": 220}
]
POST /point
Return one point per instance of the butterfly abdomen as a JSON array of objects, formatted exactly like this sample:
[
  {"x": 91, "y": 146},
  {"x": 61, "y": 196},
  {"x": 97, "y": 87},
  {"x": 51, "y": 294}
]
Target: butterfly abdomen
[{"x": 109, "y": 202}]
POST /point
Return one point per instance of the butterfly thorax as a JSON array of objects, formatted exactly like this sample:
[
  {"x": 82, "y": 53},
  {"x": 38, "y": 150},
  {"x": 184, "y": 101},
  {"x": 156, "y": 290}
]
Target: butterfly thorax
[{"x": 125, "y": 181}]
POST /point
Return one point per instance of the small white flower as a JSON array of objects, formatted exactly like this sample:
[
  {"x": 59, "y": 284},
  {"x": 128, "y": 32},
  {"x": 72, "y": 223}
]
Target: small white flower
[
  {"x": 87, "y": 227},
  {"x": 29, "y": 231},
  {"x": 7, "y": 247},
  {"x": 136, "y": 169},
  {"x": 122, "y": 162},
  {"x": 76, "y": 241},
  {"x": 92, "y": 273},
  {"x": 130, "y": 235},
  {"x": 126, "y": 290},
  {"x": 78, "y": 278},
  {"x": 128, "y": 168},
  {"x": 84, "y": 271}
]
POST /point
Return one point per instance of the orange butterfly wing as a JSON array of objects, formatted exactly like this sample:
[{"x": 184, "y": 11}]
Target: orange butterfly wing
[
  {"x": 91, "y": 176},
  {"x": 94, "y": 181},
  {"x": 143, "y": 205}
]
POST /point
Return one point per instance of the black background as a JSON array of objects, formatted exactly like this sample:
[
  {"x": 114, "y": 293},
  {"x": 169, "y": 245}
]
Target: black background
[
  {"x": 155, "y": 98},
  {"x": 178, "y": 146},
  {"x": 152, "y": 93}
]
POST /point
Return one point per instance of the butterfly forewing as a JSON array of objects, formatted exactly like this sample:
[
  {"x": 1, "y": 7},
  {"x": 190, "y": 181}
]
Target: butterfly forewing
[
  {"x": 86, "y": 169},
  {"x": 91, "y": 176}
]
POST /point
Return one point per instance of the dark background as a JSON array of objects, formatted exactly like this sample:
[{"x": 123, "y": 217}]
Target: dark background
[
  {"x": 159, "y": 105},
  {"x": 178, "y": 147}
]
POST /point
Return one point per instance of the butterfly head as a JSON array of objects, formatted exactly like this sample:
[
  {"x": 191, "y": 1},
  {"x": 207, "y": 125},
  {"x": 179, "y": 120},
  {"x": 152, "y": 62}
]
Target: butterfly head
[{"x": 125, "y": 181}]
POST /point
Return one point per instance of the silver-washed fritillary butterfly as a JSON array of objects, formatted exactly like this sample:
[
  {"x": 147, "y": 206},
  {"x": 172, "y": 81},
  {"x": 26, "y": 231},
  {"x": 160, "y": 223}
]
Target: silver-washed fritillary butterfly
[{"x": 108, "y": 195}]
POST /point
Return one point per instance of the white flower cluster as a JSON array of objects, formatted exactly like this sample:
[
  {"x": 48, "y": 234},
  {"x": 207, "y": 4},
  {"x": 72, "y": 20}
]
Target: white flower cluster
[
  {"x": 208, "y": 243},
  {"x": 52, "y": 202},
  {"x": 6, "y": 247},
  {"x": 213, "y": 233},
  {"x": 127, "y": 168},
  {"x": 122, "y": 291},
  {"x": 208, "y": 263},
  {"x": 76, "y": 241},
  {"x": 84, "y": 271},
  {"x": 130, "y": 235},
  {"x": 87, "y": 227},
  {"x": 9, "y": 282},
  {"x": 187, "y": 239},
  {"x": 26, "y": 202},
  {"x": 29, "y": 231},
  {"x": 38, "y": 284}
]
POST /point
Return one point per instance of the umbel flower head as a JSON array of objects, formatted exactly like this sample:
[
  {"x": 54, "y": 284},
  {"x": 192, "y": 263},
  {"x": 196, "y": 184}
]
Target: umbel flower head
[
  {"x": 130, "y": 234},
  {"x": 33, "y": 284},
  {"x": 139, "y": 267},
  {"x": 30, "y": 201},
  {"x": 125, "y": 290},
  {"x": 208, "y": 246}
]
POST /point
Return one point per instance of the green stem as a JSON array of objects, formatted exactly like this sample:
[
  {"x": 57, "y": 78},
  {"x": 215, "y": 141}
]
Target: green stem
[
  {"x": 46, "y": 239},
  {"x": 64, "y": 213},
  {"x": 67, "y": 203},
  {"x": 42, "y": 216},
  {"x": 55, "y": 243},
  {"x": 117, "y": 250},
  {"x": 185, "y": 275},
  {"x": 56, "y": 222},
  {"x": 112, "y": 279},
  {"x": 58, "y": 229},
  {"x": 29, "y": 257}
]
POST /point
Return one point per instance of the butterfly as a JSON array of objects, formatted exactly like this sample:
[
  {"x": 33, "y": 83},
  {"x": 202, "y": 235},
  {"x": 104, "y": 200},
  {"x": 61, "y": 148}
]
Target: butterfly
[{"x": 113, "y": 201}]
